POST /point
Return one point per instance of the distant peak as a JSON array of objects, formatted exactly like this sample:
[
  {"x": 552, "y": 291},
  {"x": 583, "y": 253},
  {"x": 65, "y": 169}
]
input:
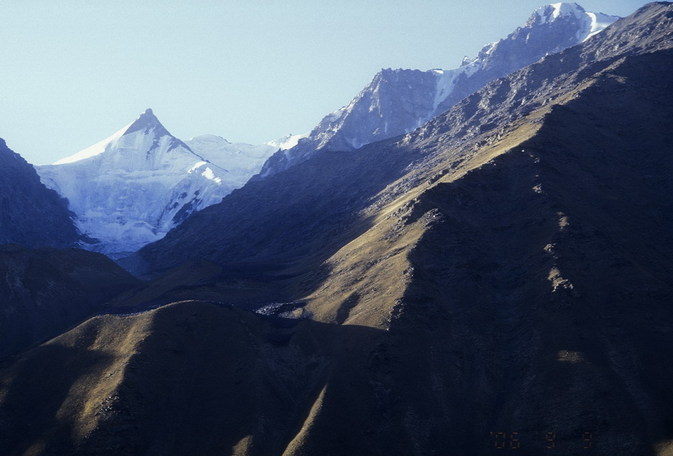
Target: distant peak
[
  {"x": 466, "y": 61},
  {"x": 566, "y": 6},
  {"x": 147, "y": 122},
  {"x": 554, "y": 11},
  {"x": 287, "y": 142},
  {"x": 208, "y": 138},
  {"x": 389, "y": 71},
  {"x": 148, "y": 117}
]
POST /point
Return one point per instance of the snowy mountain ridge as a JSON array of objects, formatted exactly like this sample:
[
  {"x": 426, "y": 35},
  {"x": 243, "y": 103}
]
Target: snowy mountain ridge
[
  {"x": 399, "y": 101},
  {"x": 286, "y": 142},
  {"x": 95, "y": 149},
  {"x": 133, "y": 187},
  {"x": 240, "y": 159},
  {"x": 592, "y": 23}
]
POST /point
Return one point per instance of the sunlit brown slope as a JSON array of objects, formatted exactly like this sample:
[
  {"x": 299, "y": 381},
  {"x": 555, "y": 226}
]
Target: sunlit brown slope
[
  {"x": 189, "y": 378},
  {"x": 538, "y": 295}
]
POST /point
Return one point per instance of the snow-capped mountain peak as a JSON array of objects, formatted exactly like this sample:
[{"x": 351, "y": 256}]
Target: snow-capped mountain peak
[
  {"x": 146, "y": 125},
  {"x": 399, "y": 101},
  {"x": 588, "y": 23},
  {"x": 553, "y": 11},
  {"x": 148, "y": 122},
  {"x": 134, "y": 186}
]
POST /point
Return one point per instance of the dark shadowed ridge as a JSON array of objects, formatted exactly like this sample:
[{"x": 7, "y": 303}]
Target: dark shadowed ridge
[
  {"x": 30, "y": 213},
  {"x": 47, "y": 291}
]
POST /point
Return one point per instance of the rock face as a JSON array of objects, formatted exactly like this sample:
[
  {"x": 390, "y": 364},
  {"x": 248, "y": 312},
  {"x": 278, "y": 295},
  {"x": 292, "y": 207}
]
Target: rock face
[
  {"x": 498, "y": 279},
  {"x": 399, "y": 101},
  {"x": 133, "y": 187},
  {"x": 46, "y": 291},
  {"x": 30, "y": 213}
]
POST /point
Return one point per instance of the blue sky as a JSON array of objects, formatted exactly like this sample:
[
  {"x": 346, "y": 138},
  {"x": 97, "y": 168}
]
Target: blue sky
[{"x": 75, "y": 71}]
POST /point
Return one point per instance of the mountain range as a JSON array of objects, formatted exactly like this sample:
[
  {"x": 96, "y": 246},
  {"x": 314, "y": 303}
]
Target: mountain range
[
  {"x": 133, "y": 187},
  {"x": 399, "y": 101},
  {"x": 494, "y": 279}
]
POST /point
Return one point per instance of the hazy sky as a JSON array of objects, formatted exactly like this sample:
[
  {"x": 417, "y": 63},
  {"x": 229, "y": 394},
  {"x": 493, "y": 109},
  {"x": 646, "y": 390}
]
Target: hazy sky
[{"x": 74, "y": 72}]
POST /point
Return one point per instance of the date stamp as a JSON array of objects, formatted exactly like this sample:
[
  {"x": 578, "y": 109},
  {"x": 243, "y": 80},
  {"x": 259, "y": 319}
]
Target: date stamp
[{"x": 548, "y": 440}]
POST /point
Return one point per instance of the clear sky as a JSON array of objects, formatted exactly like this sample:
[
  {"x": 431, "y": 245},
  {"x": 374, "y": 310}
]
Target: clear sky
[{"x": 75, "y": 71}]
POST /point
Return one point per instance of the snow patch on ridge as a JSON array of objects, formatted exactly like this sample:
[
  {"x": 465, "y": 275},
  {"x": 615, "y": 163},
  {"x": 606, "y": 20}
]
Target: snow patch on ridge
[
  {"x": 591, "y": 23},
  {"x": 446, "y": 81},
  {"x": 598, "y": 21},
  {"x": 287, "y": 142},
  {"x": 554, "y": 11}
]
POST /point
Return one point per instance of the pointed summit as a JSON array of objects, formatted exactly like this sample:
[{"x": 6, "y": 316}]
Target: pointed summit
[{"x": 147, "y": 122}]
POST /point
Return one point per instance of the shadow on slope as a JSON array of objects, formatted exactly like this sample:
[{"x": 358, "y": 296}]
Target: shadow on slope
[
  {"x": 540, "y": 298},
  {"x": 270, "y": 239},
  {"x": 30, "y": 213},
  {"x": 203, "y": 379},
  {"x": 46, "y": 291},
  {"x": 35, "y": 392}
]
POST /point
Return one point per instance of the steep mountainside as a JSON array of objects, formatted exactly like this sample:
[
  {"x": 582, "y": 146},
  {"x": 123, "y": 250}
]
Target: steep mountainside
[
  {"x": 280, "y": 216},
  {"x": 30, "y": 213},
  {"x": 496, "y": 280},
  {"x": 399, "y": 101},
  {"x": 46, "y": 291},
  {"x": 131, "y": 188}
]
